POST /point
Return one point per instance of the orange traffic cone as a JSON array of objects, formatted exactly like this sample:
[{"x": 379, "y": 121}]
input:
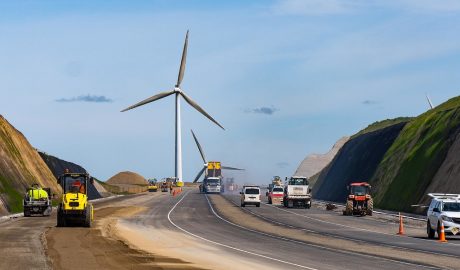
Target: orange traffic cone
[
  {"x": 442, "y": 234},
  {"x": 401, "y": 225},
  {"x": 174, "y": 192}
]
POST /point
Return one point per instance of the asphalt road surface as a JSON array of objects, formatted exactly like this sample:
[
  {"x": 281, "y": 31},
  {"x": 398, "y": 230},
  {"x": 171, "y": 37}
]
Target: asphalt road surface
[{"x": 193, "y": 230}]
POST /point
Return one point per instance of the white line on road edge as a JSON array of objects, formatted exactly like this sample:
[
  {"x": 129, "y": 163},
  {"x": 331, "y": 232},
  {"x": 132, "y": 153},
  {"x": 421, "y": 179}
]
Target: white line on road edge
[
  {"x": 318, "y": 246},
  {"x": 230, "y": 247}
]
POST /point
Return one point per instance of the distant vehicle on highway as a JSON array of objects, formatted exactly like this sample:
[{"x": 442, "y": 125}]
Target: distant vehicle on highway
[
  {"x": 250, "y": 195},
  {"x": 212, "y": 185},
  {"x": 275, "y": 195},
  {"x": 297, "y": 192},
  {"x": 443, "y": 209},
  {"x": 359, "y": 199}
]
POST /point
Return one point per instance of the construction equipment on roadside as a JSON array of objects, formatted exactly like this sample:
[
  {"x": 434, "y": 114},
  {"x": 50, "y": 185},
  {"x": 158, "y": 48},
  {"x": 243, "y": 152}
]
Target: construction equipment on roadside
[
  {"x": 74, "y": 206},
  {"x": 153, "y": 186},
  {"x": 442, "y": 234},
  {"x": 37, "y": 200},
  {"x": 359, "y": 200},
  {"x": 401, "y": 225}
]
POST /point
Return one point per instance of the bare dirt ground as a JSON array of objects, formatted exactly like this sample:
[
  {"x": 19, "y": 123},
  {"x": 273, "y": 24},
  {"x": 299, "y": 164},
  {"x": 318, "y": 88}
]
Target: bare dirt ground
[
  {"x": 234, "y": 214},
  {"x": 97, "y": 248}
]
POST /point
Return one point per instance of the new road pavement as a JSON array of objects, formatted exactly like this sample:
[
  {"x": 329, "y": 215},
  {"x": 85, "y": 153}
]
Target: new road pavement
[{"x": 197, "y": 231}]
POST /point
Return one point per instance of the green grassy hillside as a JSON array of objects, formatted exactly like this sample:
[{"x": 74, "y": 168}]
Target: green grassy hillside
[{"x": 410, "y": 164}]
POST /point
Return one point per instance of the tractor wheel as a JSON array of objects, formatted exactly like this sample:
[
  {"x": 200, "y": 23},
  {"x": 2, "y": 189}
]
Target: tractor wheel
[
  {"x": 26, "y": 212},
  {"x": 258, "y": 205},
  {"x": 370, "y": 207},
  {"x": 88, "y": 216},
  {"x": 290, "y": 203},
  {"x": 429, "y": 230},
  {"x": 243, "y": 205},
  {"x": 349, "y": 208}
]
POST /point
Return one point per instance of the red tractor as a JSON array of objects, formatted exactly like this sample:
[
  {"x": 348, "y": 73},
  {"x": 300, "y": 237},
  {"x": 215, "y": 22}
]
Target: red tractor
[{"x": 359, "y": 200}]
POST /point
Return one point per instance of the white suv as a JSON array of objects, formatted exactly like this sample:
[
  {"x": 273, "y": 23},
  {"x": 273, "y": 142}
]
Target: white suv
[
  {"x": 250, "y": 195},
  {"x": 443, "y": 208}
]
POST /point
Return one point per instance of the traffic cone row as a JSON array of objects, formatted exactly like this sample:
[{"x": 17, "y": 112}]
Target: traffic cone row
[
  {"x": 401, "y": 225},
  {"x": 442, "y": 234}
]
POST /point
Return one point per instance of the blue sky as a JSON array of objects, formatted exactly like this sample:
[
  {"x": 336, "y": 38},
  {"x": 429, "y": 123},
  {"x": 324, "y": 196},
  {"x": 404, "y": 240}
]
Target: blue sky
[{"x": 285, "y": 78}]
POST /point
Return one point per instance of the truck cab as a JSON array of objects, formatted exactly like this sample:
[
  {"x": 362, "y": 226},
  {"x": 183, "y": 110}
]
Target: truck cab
[
  {"x": 297, "y": 192},
  {"x": 212, "y": 185}
]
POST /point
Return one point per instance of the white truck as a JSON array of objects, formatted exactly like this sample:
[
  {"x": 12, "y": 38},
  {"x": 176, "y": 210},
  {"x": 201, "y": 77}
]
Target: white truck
[
  {"x": 297, "y": 192},
  {"x": 212, "y": 185}
]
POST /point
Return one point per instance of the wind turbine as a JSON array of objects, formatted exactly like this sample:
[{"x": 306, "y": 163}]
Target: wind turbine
[
  {"x": 179, "y": 93},
  {"x": 205, "y": 166},
  {"x": 429, "y": 101}
]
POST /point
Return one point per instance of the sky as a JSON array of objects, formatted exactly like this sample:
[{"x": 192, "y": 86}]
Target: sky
[{"x": 285, "y": 78}]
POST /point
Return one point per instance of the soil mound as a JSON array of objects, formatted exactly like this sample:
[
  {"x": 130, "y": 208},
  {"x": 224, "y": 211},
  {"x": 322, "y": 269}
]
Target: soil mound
[{"x": 127, "y": 178}]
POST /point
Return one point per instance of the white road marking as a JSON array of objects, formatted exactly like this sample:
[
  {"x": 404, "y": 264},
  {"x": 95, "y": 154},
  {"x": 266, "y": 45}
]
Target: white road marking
[
  {"x": 227, "y": 246},
  {"x": 317, "y": 246},
  {"x": 355, "y": 228}
]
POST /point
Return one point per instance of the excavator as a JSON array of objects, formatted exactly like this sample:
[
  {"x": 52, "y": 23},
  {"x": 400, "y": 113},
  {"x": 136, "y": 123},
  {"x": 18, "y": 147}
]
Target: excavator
[{"x": 74, "y": 206}]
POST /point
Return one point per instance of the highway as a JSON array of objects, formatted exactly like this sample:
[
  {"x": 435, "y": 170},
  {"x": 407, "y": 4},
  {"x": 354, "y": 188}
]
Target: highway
[{"x": 197, "y": 231}]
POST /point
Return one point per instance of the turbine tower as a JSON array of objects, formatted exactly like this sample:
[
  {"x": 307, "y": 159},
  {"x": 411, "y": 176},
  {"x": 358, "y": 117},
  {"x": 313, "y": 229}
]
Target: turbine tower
[{"x": 179, "y": 93}]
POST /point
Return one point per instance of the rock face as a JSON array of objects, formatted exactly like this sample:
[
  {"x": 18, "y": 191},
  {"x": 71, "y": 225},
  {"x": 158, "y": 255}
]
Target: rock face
[
  {"x": 356, "y": 161},
  {"x": 314, "y": 163},
  {"x": 57, "y": 167},
  {"x": 20, "y": 166}
]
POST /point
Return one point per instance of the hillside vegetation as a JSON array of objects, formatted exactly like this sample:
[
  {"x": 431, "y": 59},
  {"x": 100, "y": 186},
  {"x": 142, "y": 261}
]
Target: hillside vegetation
[
  {"x": 20, "y": 166},
  {"x": 415, "y": 157},
  {"x": 402, "y": 158}
]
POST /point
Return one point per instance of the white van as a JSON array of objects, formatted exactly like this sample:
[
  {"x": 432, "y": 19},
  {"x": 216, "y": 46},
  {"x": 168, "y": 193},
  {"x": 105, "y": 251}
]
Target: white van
[{"x": 250, "y": 195}]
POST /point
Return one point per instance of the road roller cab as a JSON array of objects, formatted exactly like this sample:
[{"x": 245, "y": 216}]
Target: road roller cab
[{"x": 74, "y": 206}]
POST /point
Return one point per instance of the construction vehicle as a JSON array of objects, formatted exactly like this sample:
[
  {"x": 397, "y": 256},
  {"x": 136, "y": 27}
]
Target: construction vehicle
[
  {"x": 276, "y": 181},
  {"x": 153, "y": 186},
  {"x": 167, "y": 183},
  {"x": 37, "y": 200},
  {"x": 297, "y": 192},
  {"x": 74, "y": 206},
  {"x": 212, "y": 182},
  {"x": 359, "y": 199}
]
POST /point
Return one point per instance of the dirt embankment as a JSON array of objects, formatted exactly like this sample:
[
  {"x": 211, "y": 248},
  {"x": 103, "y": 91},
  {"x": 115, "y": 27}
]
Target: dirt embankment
[
  {"x": 356, "y": 161},
  {"x": 314, "y": 163},
  {"x": 58, "y": 166},
  {"x": 20, "y": 166},
  {"x": 126, "y": 182},
  {"x": 100, "y": 247}
]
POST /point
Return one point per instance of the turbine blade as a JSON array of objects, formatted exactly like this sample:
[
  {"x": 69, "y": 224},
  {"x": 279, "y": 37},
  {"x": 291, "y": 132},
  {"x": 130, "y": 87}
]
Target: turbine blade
[
  {"x": 198, "y": 108},
  {"x": 199, "y": 147},
  {"x": 150, "y": 99},
  {"x": 199, "y": 174},
  {"x": 182, "y": 62},
  {"x": 429, "y": 101},
  {"x": 231, "y": 168}
]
